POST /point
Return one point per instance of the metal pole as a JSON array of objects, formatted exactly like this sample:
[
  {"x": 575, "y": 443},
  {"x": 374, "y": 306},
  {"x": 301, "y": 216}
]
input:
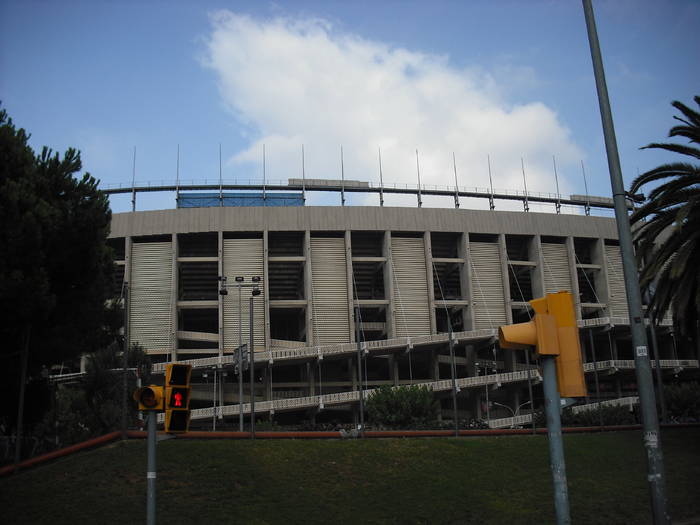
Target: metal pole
[
  {"x": 552, "y": 405},
  {"x": 659, "y": 376},
  {"x": 595, "y": 375},
  {"x": 381, "y": 180},
  {"x": 420, "y": 200},
  {"x": 647, "y": 399},
  {"x": 240, "y": 363},
  {"x": 151, "y": 470},
  {"x": 359, "y": 369},
  {"x": 529, "y": 389},
  {"x": 454, "y": 380},
  {"x": 252, "y": 374},
  {"x": 125, "y": 351},
  {"x": 454, "y": 165}
]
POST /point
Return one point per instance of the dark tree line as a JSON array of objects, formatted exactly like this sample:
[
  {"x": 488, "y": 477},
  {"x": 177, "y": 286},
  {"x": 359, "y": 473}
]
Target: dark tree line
[{"x": 56, "y": 269}]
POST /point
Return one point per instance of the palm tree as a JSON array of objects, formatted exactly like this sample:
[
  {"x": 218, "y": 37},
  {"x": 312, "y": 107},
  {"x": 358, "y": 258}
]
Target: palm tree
[{"x": 668, "y": 228}]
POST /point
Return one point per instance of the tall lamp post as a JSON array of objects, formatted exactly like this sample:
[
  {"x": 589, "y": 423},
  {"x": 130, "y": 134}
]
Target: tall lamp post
[{"x": 255, "y": 285}]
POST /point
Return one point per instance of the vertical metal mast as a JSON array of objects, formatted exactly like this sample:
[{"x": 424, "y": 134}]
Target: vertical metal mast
[
  {"x": 342, "y": 178},
  {"x": 491, "y": 203},
  {"x": 381, "y": 180},
  {"x": 556, "y": 180},
  {"x": 221, "y": 182},
  {"x": 647, "y": 399},
  {"x": 454, "y": 166},
  {"x": 587, "y": 208},
  {"x": 525, "y": 202},
  {"x": 303, "y": 175},
  {"x": 133, "y": 182},
  {"x": 420, "y": 200}
]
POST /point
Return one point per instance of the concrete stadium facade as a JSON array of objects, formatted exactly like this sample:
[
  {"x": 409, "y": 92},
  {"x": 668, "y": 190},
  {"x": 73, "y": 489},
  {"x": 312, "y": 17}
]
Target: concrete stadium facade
[{"x": 399, "y": 277}]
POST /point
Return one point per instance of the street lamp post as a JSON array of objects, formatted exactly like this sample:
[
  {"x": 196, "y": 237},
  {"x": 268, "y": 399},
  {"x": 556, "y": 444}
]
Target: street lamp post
[{"x": 255, "y": 285}]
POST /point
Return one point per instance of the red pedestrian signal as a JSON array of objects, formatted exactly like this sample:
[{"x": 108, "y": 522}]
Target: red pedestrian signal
[{"x": 177, "y": 397}]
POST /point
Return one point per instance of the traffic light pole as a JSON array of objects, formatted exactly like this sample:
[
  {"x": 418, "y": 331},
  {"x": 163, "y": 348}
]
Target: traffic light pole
[
  {"x": 151, "y": 470},
  {"x": 552, "y": 405},
  {"x": 645, "y": 385}
]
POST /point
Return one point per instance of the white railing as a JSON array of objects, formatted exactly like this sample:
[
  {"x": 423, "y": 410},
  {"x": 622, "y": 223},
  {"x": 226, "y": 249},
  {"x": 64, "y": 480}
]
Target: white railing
[
  {"x": 507, "y": 422},
  {"x": 341, "y": 398},
  {"x": 622, "y": 401},
  {"x": 280, "y": 354}
]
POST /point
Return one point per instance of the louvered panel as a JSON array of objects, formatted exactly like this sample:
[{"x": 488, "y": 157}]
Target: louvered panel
[
  {"x": 489, "y": 309},
  {"x": 411, "y": 306},
  {"x": 617, "y": 299},
  {"x": 557, "y": 276},
  {"x": 243, "y": 258},
  {"x": 150, "y": 313},
  {"x": 330, "y": 291}
]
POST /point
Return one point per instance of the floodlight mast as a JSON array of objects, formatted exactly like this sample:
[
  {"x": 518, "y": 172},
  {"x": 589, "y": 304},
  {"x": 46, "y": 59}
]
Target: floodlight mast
[{"x": 647, "y": 398}]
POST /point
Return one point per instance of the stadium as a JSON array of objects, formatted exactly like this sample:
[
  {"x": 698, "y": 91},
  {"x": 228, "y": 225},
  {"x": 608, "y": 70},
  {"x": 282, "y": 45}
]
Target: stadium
[{"x": 339, "y": 300}]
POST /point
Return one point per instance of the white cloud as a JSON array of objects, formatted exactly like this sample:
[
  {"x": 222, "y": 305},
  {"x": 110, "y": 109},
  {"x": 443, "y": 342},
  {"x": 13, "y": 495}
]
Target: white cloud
[{"x": 298, "y": 81}]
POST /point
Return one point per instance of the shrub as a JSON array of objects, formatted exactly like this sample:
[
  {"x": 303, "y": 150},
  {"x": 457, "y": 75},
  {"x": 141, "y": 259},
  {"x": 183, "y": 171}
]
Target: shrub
[
  {"x": 683, "y": 401},
  {"x": 610, "y": 415},
  {"x": 401, "y": 407}
]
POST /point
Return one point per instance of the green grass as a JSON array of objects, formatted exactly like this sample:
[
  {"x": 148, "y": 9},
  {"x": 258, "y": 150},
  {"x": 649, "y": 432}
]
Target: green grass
[{"x": 402, "y": 481}]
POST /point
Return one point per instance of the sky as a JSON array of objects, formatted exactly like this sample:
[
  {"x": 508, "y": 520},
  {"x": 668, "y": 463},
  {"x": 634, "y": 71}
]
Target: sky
[{"x": 437, "y": 87}]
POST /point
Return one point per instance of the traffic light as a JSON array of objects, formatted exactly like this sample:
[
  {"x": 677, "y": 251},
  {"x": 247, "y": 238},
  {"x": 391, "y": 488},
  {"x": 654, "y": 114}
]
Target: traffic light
[
  {"x": 177, "y": 397},
  {"x": 553, "y": 332},
  {"x": 149, "y": 397}
]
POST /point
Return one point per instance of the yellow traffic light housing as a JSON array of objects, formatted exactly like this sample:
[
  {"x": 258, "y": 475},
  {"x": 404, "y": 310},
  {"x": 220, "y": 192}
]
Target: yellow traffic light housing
[
  {"x": 149, "y": 398},
  {"x": 553, "y": 332},
  {"x": 177, "y": 397}
]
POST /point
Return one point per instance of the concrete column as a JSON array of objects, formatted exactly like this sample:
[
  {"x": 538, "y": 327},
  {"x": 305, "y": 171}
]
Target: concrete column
[
  {"x": 311, "y": 378},
  {"x": 600, "y": 282},
  {"x": 220, "y": 298},
  {"x": 173, "y": 298},
  {"x": 467, "y": 283},
  {"x": 394, "y": 369},
  {"x": 434, "y": 365},
  {"x": 308, "y": 290},
  {"x": 427, "y": 243},
  {"x": 535, "y": 254},
  {"x": 505, "y": 276},
  {"x": 571, "y": 252},
  {"x": 464, "y": 280},
  {"x": 507, "y": 356},
  {"x": 389, "y": 287},
  {"x": 350, "y": 284},
  {"x": 266, "y": 288}
]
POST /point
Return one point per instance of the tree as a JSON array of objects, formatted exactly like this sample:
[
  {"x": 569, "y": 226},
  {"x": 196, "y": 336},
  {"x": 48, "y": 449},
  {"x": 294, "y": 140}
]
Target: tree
[
  {"x": 55, "y": 266},
  {"x": 668, "y": 228}
]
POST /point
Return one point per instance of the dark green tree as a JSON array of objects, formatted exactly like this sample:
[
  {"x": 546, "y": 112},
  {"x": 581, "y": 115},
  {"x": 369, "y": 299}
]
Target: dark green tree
[
  {"x": 667, "y": 227},
  {"x": 55, "y": 266}
]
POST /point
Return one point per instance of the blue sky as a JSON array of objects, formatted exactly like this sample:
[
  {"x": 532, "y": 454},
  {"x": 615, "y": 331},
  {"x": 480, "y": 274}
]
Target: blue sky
[{"x": 507, "y": 79}]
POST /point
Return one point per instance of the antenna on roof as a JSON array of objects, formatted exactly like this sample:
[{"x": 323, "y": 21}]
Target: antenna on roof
[
  {"x": 342, "y": 178},
  {"x": 177, "y": 178},
  {"x": 420, "y": 201},
  {"x": 381, "y": 181},
  {"x": 556, "y": 180},
  {"x": 221, "y": 182},
  {"x": 264, "y": 175},
  {"x": 525, "y": 203},
  {"x": 587, "y": 208},
  {"x": 133, "y": 183},
  {"x": 303, "y": 176},
  {"x": 491, "y": 203},
  {"x": 454, "y": 165}
]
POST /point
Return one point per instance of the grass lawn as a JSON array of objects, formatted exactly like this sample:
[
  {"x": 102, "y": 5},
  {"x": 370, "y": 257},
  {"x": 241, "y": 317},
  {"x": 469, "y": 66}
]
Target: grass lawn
[{"x": 402, "y": 481}]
